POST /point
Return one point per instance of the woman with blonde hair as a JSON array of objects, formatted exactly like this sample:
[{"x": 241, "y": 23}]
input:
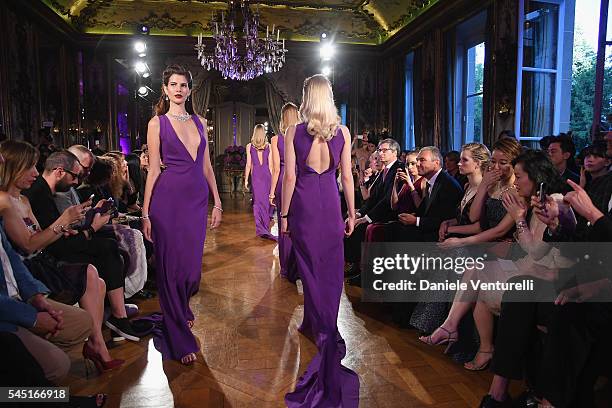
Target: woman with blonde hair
[
  {"x": 311, "y": 214},
  {"x": 259, "y": 166},
  {"x": 289, "y": 117}
]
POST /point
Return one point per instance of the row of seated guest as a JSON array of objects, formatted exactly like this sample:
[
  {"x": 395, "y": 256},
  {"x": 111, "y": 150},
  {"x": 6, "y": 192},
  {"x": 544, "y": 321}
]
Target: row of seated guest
[
  {"x": 69, "y": 283},
  {"x": 575, "y": 326},
  {"x": 61, "y": 171},
  {"x": 495, "y": 207},
  {"x": 108, "y": 174},
  {"x": 377, "y": 208}
]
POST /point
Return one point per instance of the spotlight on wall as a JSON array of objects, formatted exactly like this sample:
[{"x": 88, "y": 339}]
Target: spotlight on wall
[
  {"x": 326, "y": 70},
  {"x": 143, "y": 29},
  {"x": 327, "y": 51}
]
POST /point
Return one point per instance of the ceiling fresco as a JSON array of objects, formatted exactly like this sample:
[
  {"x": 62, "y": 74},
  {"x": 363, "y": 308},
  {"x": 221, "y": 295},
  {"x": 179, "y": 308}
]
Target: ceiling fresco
[{"x": 349, "y": 21}]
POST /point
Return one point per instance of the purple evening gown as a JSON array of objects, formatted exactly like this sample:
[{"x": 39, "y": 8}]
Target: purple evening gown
[
  {"x": 261, "y": 179},
  {"x": 178, "y": 211},
  {"x": 285, "y": 252},
  {"x": 317, "y": 231}
]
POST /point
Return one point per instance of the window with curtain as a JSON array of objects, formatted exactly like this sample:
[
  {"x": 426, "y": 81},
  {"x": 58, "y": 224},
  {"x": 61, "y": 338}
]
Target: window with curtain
[
  {"x": 539, "y": 64},
  {"x": 409, "y": 142}
]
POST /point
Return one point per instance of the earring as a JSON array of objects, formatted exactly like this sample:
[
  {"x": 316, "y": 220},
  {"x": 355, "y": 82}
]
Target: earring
[
  {"x": 166, "y": 97},
  {"x": 188, "y": 98}
]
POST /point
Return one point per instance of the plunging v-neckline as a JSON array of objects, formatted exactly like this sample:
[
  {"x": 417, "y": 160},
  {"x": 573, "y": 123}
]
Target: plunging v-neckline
[{"x": 183, "y": 144}]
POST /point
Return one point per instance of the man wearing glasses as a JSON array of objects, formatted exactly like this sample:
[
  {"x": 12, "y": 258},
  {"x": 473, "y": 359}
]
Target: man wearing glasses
[
  {"x": 377, "y": 207},
  {"x": 86, "y": 160}
]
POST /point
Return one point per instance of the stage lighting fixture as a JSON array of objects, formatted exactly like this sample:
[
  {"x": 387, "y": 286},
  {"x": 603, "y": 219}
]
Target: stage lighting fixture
[
  {"x": 143, "y": 29},
  {"x": 140, "y": 67},
  {"x": 327, "y": 51},
  {"x": 143, "y": 91},
  {"x": 140, "y": 46}
]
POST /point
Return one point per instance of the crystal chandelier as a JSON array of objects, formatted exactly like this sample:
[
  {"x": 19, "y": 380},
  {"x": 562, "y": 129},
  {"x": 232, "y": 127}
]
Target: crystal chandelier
[{"x": 241, "y": 57}]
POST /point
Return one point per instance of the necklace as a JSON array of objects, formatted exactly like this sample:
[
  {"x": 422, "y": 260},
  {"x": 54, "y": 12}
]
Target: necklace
[{"x": 181, "y": 117}]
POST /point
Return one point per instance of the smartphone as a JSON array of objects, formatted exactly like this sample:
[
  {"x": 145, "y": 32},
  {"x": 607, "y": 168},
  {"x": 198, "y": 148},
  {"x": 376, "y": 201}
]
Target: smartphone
[
  {"x": 360, "y": 137},
  {"x": 542, "y": 193}
]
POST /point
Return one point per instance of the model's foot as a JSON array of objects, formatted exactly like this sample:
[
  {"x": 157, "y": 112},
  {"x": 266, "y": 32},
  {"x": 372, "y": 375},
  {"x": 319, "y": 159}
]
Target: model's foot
[{"x": 189, "y": 359}]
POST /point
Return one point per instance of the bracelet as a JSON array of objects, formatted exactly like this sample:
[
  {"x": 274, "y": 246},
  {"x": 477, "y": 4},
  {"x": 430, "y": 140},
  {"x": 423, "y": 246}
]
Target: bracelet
[
  {"x": 218, "y": 208},
  {"x": 284, "y": 216},
  {"x": 144, "y": 217},
  {"x": 521, "y": 226},
  {"x": 271, "y": 196},
  {"x": 61, "y": 229}
]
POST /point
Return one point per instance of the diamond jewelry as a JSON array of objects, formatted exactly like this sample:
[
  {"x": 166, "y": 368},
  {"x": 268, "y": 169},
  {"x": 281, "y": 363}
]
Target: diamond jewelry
[{"x": 181, "y": 117}]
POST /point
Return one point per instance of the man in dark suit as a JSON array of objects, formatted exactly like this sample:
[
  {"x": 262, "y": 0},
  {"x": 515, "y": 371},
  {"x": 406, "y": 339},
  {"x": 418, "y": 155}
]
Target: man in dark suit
[
  {"x": 441, "y": 197},
  {"x": 377, "y": 207}
]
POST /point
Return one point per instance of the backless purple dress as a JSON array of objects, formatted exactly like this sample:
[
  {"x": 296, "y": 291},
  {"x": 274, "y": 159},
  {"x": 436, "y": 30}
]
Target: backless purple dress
[
  {"x": 285, "y": 252},
  {"x": 261, "y": 179},
  {"x": 178, "y": 213},
  {"x": 317, "y": 231}
]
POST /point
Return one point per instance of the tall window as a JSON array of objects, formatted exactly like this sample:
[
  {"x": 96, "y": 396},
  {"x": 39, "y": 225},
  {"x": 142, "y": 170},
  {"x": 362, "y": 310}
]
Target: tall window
[
  {"x": 409, "y": 142},
  {"x": 474, "y": 78},
  {"x": 540, "y": 54},
  {"x": 466, "y": 85}
]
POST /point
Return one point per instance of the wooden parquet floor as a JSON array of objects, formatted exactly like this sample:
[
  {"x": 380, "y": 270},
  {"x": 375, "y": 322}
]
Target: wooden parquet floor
[{"x": 252, "y": 354}]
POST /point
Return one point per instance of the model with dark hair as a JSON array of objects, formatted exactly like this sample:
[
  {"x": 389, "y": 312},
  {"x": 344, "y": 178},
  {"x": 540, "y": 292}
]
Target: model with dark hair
[{"x": 177, "y": 202}]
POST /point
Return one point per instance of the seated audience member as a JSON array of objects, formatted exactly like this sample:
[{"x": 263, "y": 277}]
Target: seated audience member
[
  {"x": 441, "y": 195},
  {"x": 21, "y": 368},
  {"x": 567, "y": 363},
  {"x": 545, "y": 141},
  {"x": 135, "y": 180},
  {"x": 122, "y": 190},
  {"x": 487, "y": 207},
  {"x": 406, "y": 195},
  {"x": 61, "y": 172},
  {"x": 86, "y": 159},
  {"x": 130, "y": 240},
  {"x": 370, "y": 175},
  {"x": 542, "y": 260},
  {"x": 68, "y": 283},
  {"x": 598, "y": 184},
  {"x": 451, "y": 165},
  {"x": 561, "y": 151},
  {"x": 378, "y": 207},
  {"x": 473, "y": 162},
  {"x": 25, "y": 311}
]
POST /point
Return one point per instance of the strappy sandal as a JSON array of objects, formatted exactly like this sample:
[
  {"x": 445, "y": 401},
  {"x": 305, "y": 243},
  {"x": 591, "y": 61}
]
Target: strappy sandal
[
  {"x": 481, "y": 367},
  {"x": 450, "y": 339}
]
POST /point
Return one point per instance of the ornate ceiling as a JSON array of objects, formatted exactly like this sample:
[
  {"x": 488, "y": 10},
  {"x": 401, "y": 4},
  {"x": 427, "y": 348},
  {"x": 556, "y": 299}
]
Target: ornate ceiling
[{"x": 352, "y": 21}]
